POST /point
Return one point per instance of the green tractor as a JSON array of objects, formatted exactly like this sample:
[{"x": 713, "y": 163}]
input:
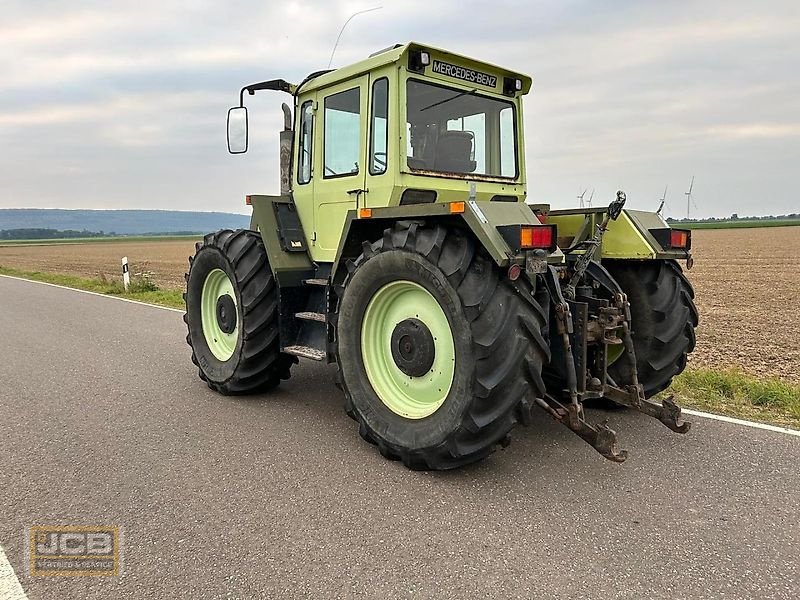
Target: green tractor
[{"x": 401, "y": 249}]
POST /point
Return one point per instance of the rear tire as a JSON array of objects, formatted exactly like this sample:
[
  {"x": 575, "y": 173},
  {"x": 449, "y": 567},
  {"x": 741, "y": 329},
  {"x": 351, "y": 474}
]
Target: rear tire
[
  {"x": 663, "y": 320},
  {"x": 498, "y": 339},
  {"x": 232, "y": 314}
]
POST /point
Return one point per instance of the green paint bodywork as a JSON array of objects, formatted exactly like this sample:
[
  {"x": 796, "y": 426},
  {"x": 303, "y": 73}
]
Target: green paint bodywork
[
  {"x": 221, "y": 344},
  {"x": 481, "y": 218},
  {"x": 627, "y": 238},
  {"x": 407, "y": 396}
]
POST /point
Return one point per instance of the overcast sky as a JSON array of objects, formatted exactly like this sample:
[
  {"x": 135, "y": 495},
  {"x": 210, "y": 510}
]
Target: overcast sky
[{"x": 122, "y": 104}]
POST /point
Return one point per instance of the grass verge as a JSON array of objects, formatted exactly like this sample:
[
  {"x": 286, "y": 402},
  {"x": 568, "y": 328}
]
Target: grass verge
[
  {"x": 141, "y": 288},
  {"x": 736, "y": 394}
]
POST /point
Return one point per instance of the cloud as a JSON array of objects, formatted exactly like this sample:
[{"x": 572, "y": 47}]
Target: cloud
[{"x": 123, "y": 104}]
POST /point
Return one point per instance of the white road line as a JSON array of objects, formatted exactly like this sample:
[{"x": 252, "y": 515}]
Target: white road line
[
  {"x": 687, "y": 411},
  {"x": 63, "y": 287},
  {"x": 10, "y": 588},
  {"x": 775, "y": 428}
]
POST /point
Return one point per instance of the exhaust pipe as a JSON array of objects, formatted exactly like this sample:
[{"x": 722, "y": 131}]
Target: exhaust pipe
[{"x": 286, "y": 141}]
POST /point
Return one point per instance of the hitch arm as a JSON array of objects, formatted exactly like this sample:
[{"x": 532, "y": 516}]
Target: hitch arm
[
  {"x": 593, "y": 245},
  {"x": 600, "y": 437},
  {"x": 667, "y": 412}
]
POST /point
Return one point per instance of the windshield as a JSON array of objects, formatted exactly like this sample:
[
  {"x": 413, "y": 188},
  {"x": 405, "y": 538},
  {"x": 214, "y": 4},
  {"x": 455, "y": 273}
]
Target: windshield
[{"x": 459, "y": 131}]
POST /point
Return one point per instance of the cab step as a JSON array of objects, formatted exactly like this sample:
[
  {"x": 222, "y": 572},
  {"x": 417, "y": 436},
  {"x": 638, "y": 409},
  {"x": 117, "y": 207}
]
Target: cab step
[
  {"x": 310, "y": 316},
  {"x": 315, "y": 281},
  {"x": 305, "y": 352}
]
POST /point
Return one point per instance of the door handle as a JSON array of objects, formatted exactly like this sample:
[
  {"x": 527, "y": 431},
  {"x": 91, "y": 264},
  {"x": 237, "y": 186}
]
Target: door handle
[{"x": 357, "y": 192}]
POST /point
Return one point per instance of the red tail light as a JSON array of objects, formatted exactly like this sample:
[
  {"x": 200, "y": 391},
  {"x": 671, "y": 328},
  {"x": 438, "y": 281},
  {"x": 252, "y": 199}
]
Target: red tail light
[
  {"x": 535, "y": 237},
  {"x": 678, "y": 238},
  {"x": 529, "y": 237},
  {"x": 673, "y": 239}
]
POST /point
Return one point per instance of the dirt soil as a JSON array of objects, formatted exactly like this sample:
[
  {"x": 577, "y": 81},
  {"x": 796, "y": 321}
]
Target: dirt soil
[
  {"x": 746, "y": 280},
  {"x": 747, "y": 291}
]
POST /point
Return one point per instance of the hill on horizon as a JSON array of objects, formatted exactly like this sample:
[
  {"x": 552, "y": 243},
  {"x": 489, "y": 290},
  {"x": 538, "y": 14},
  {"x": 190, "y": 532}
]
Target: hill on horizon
[{"x": 124, "y": 222}]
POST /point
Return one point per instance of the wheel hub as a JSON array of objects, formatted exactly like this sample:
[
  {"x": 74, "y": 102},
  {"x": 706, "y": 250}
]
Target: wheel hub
[
  {"x": 407, "y": 348},
  {"x": 218, "y": 314},
  {"x": 226, "y": 313},
  {"x": 413, "y": 348}
]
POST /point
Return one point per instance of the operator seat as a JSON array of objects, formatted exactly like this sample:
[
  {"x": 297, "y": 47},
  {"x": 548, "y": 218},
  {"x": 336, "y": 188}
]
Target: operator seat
[{"x": 453, "y": 152}]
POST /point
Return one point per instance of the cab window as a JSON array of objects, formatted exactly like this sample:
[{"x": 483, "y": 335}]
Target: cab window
[
  {"x": 378, "y": 133},
  {"x": 459, "y": 131},
  {"x": 306, "y": 143},
  {"x": 342, "y": 126}
]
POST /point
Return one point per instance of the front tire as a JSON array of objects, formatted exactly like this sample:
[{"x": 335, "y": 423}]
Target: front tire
[
  {"x": 663, "y": 320},
  {"x": 439, "y": 356},
  {"x": 232, "y": 314}
]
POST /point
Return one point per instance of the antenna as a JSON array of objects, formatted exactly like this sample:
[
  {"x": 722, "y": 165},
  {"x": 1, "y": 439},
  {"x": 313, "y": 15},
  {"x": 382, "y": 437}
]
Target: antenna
[
  {"x": 580, "y": 197},
  {"x": 689, "y": 197},
  {"x": 589, "y": 201},
  {"x": 341, "y": 31},
  {"x": 663, "y": 201}
]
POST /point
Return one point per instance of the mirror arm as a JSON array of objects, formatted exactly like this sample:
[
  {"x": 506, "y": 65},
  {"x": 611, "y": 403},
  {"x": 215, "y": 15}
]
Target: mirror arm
[{"x": 273, "y": 84}]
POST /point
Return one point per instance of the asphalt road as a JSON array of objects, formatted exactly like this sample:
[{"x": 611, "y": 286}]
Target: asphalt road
[{"x": 104, "y": 421}]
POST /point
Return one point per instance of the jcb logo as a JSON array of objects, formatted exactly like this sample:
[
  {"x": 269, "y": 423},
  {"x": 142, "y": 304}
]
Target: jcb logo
[{"x": 74, "y": 550}]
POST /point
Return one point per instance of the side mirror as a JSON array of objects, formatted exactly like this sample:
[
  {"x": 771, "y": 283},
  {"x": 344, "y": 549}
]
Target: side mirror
[{"x": 237, "y": 130}]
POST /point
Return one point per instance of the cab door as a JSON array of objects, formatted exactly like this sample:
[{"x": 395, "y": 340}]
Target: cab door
[
  {"x": 379, "y": 182},
  {"x": 340, "y": 161}
]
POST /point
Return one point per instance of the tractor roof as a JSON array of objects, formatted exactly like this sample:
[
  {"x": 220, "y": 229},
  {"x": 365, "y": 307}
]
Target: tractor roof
[{"x": 394, "y": 54}]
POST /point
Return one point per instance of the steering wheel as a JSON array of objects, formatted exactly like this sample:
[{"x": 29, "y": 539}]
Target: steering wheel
[{"x": 379, "y": 159}]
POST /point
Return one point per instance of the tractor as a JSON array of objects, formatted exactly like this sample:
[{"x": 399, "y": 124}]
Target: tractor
[{"x": 402, "y": 249}]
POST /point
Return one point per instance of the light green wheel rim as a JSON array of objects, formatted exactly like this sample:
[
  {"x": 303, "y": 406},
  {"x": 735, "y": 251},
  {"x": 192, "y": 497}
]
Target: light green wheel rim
[
  {"x": 409, "y": 397},
  {"x": 221, "y": 344}
]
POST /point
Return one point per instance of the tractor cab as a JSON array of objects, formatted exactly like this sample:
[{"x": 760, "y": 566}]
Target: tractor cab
[{"x": 411, "y": 124}]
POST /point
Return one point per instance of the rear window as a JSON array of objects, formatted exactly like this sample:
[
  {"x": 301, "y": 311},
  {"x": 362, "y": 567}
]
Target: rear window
[{"x": 459, "y": 131}]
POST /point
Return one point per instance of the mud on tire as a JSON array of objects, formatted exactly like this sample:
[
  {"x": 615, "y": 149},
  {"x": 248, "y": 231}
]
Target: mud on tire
[{"x": 499, "y": 332}]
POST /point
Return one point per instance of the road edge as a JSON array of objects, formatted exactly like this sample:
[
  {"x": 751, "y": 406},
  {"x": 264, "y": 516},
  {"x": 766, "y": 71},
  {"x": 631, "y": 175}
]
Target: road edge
[
  {"x": 746, "y": 423},
  {"x": 64, "y": 287}
]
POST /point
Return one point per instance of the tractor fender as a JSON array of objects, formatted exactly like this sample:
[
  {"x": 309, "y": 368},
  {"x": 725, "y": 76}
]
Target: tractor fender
[
  {"x": 481, "y": 218},
  {"x": 276, "y": 219}
]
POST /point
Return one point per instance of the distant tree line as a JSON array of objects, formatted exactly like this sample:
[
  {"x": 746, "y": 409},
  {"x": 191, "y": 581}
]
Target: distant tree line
[
  {"x": 53, "y": 234},
  {"x": 736, "y": 217},
  {"x": 49, "y": 234}
]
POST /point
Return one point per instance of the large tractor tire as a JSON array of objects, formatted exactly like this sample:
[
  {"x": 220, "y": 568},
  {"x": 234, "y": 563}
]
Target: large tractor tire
[
  {"x": 439, "y": 354},
  {"x": 663, "y": 320},
  {"x": 232, "y": 314}
]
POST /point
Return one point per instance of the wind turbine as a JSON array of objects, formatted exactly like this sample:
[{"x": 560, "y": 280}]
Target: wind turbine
[
  {"x": 689, "y": 200},
  {"x": 589, "y": 201},
  {"x": 580, "y": 197},
  {"x": 663, "y": 200}
]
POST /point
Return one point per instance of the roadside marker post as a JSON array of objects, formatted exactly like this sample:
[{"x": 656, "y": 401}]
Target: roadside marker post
[{"x": 126, "y": 277}]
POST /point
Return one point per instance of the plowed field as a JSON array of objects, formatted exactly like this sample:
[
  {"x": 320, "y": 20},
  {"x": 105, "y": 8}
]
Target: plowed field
[{"x": 747, "y": 283}]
